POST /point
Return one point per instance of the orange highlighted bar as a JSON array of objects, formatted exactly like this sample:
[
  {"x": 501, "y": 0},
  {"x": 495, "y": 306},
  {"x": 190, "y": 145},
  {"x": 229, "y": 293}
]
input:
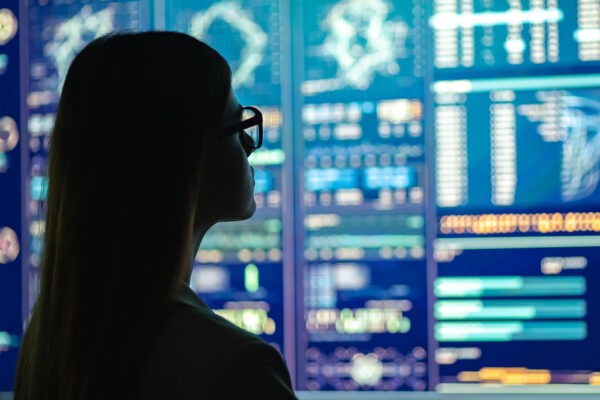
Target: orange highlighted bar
[
  {"x": 508, "y": 376},
  {"x": 595, "y": 379},
  {"x": 488, "y": 224}
]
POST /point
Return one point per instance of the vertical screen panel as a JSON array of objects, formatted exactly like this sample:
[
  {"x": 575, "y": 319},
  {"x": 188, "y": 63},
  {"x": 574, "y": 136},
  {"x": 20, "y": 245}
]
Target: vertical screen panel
[
  {"x": 360, "y": 196},
  {"x": 10, "y": 196},
  {"x": 516, "y": 190}
]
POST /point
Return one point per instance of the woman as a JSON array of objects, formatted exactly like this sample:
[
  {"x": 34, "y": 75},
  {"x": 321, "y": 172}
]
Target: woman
[{"x": 148, "y": 152}]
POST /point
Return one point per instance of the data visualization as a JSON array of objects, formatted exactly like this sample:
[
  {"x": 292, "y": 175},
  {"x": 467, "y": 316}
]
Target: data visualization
[
  {"x": 516, "y": 190},
  {"x": 246, "y": 258},
  {"x": 351, "y": 44},
  {"x": 484, "y": 35},
  {"x": 518, "y": 141},
  {"x": 516, "y": 311},
  {"x": 364, "y": 327},
  {"x": 361, "y": 194},
  {"x": 427, "y": 191},
  {"x": 246, "y": 33},
  {"x": 11, "y": 315}
]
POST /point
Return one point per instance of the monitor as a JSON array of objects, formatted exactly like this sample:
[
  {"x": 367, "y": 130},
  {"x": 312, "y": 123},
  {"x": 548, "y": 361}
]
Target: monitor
[{"x": 428, "y": 200}]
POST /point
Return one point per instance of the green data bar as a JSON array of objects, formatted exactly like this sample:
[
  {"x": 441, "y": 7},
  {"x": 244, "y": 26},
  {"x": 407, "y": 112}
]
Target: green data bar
[
  {"x": 366, "y": 241},
  {"x": 243, "y": 240},
  {"x": 251, "y": 278},
  {"x": 516, "y": 242},
  {"x": 509, "y": 309},
  {"x": 509, "y": 331},
  {"x": 528, "y": 83},
  {"x": 508, "y": 286},
  {"x": 267, "y": 157}
]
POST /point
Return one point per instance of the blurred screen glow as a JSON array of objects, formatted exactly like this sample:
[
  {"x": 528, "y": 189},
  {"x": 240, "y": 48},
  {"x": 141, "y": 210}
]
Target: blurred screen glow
[{"x": 428, "y": 189}]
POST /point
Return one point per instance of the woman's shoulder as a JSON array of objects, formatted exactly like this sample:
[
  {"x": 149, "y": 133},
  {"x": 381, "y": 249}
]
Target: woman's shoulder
[
  {"x": 191, "y": 315},
  {"x": 191, "y": 330},
  {"x": 197, "y": 350}
]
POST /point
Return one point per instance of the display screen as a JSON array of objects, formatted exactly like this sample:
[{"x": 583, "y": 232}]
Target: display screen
[
  {"x": 516, "y": 189},
  {"x": 428, "y": 200},
  {"x": 512, "y": 35},
  {"x": 360, "y": 196},
  {"x": 10, "y": 206}
]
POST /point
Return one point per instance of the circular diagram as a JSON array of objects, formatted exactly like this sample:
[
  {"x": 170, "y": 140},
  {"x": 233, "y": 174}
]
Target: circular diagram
[
  {"x": 255, "y": 38},
  {"x": 9, "y": 245},
  {"x": 8, "y": 25},
  {"x": 9, "y": 134},
  {"x": 366, "y": 369},
  {"x": 363, "y": 41},
  {"x": 580, "y": 170}
]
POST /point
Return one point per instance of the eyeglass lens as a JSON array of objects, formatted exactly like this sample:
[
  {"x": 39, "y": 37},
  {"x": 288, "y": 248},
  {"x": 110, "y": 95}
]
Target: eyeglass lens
[{"x": 253, "y": 130}]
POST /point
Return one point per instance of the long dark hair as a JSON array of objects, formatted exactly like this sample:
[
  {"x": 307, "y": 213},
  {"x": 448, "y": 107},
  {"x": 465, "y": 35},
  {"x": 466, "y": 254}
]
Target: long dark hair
[{"x": 124, "y": 176}]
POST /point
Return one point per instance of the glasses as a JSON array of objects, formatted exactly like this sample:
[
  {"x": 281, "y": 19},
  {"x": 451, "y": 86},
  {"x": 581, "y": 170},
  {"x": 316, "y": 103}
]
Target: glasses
[{"x": 250, "y": 128}]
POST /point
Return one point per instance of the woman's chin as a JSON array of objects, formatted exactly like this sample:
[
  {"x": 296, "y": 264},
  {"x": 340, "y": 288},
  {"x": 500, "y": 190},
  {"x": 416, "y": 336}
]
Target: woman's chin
[
  {"x": 241, "y": 214},
  {"x": 244, "y": 214},
  {"x": 251, "y": 208}
]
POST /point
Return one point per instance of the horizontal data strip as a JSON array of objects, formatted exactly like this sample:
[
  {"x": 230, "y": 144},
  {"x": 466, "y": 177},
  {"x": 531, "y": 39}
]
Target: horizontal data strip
[
  {"x": 509, "y": 286},
  {"x": 525, "y": 83},
  {"x": 509, "y": 309},
  {"x": 504, "y": 391},
  {"x": 365, "y": 241},
  {"x": 516, "y": 242},
  {"x": 509, "y": 331}
]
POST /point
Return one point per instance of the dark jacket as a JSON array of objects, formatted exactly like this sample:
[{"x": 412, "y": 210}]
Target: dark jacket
[{"x": 199, "y": 355}]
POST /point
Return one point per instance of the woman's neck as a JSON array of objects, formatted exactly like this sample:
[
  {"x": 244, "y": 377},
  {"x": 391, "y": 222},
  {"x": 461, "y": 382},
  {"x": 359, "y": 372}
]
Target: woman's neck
[{"x": 199, "y": 232}]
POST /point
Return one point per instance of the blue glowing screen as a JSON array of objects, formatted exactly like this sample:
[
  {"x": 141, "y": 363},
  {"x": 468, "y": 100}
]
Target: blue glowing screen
[
  {"x": 428, "y": 200},
  {"x": 11, "y": 257}
]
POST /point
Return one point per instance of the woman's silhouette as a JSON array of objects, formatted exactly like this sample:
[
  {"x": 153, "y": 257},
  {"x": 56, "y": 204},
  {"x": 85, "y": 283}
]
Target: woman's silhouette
[{"x": 148, "y": 152}]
